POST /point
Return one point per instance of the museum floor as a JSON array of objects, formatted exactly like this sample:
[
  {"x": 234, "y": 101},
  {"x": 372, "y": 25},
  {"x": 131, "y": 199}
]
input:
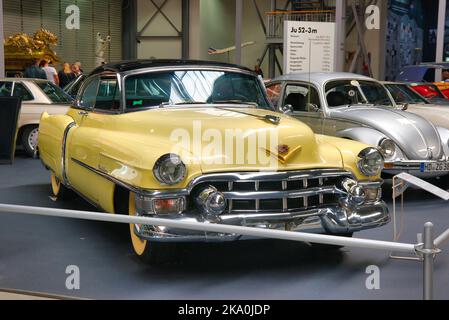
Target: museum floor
[{"x": 35, "y": 251}]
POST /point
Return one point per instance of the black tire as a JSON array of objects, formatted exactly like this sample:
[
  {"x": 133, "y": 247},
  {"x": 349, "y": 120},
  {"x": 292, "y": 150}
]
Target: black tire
[
  {"x": 442, "y": 182},
  {"x": 29, "y": 139},
  {"x": 149, "y": 252},
  {"x": 328, "y": 247}
]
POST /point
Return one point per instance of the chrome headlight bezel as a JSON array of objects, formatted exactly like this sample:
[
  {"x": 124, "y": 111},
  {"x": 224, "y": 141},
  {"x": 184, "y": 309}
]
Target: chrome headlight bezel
[
  {"x": 388, "y": 148},
  {"x": 371, "y": 162},
  {"x": 171, "y": 162}
]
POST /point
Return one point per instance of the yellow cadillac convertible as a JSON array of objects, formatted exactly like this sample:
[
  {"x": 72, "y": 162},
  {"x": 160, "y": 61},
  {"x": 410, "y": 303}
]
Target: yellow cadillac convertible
[{"x": 200, "y": 141}]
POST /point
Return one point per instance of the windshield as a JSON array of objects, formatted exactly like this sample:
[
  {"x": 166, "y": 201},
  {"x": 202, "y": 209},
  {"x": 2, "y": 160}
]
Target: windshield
[
  {"x": 356, "y": 92},
  {"x": 154, "y": 89},
  {"x": 54, "y": 93},
  {"x": 403, "y": 94},
  {"x": 73, "y": 87}
]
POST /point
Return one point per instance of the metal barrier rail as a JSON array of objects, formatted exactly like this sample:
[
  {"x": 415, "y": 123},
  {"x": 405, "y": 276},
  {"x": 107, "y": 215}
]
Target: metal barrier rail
[{"x": 427, "y": 250}]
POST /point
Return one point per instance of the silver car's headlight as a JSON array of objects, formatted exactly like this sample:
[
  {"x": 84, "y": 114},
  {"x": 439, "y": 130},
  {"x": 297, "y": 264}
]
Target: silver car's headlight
[
  {"x": 371, "y": 162},
  {"x": 170, "y": 169},
  {"x": 388, "y": 148}
]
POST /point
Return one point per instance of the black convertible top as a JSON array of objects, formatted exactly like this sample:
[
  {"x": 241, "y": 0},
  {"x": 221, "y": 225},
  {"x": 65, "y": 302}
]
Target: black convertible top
[{"x": 128, "y": 65}]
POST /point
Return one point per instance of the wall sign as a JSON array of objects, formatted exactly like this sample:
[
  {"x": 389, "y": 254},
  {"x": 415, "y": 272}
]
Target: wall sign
[
  {"x": 309, "y": 46},
  {"x": 73, "y": 20}
]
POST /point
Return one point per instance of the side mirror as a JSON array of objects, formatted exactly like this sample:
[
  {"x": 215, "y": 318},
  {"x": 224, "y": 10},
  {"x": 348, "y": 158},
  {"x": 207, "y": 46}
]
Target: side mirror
[
  {"x": 77, "y": 103},
  {"x": 287, "y": 109},
  {"x": 405, "y": 107}
]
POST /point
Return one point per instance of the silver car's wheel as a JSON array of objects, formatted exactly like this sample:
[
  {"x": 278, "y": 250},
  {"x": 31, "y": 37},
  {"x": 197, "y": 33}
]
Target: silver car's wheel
[{"x": 29, "y": 139}]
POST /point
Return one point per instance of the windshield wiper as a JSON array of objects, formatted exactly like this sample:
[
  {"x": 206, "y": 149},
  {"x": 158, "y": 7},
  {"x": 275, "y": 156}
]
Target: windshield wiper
[
  {"x": 235, "y": 102},
  {"x": 189, "y": 102},
  {"x": 166, "y": 104}
]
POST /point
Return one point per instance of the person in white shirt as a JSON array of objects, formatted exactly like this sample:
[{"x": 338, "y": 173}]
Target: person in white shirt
[{"x": 52, "y": 74}]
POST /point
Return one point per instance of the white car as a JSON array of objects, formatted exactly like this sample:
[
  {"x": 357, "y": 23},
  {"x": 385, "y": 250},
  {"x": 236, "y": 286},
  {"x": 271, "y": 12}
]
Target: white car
[
  {"x": 409, "y": 100},
  {"x": 37, "y": 96}
]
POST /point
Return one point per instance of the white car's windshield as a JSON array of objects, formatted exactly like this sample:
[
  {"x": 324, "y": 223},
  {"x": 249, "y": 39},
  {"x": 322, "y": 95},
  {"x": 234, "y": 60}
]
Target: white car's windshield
[
  {"x": 356, "y": 92},
  {"x": 154, "y": 89}
]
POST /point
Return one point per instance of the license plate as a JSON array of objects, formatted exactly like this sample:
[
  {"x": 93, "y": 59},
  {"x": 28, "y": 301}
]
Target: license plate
[{"x": 435, "y": 167}]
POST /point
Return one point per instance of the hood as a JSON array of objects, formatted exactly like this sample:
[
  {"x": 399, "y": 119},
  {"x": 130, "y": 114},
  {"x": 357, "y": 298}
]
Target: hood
[
  {"x": 412, "y": 133},
  {"x": 437, "y": 114},
  {"x": 239, "y": 139}
]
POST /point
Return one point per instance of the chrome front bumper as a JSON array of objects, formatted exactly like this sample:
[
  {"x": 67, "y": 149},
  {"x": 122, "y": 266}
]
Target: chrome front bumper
[
  {"x": 414, "y": 168},
  {"x": 337, "y": 220}
]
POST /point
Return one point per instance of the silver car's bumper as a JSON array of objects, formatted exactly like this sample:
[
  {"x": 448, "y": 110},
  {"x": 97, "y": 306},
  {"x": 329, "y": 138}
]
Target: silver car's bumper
[
  {"x": 415, "y": 168},
  {"x": 337, "y": 220}
]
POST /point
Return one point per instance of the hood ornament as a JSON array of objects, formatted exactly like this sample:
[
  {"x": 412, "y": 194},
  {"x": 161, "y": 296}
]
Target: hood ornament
[
  {"x": 284, "y": 152},
  {"x": 429, "y": 153},
  {"x": 272, "y": 119}
]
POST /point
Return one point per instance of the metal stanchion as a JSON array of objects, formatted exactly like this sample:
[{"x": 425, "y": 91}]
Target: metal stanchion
[
  {"x": 428, "y": 251},
  {"x": 428, "y": 261}
]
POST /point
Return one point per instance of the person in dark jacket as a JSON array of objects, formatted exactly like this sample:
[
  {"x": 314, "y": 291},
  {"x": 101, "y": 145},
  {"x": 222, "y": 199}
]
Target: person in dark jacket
[
  {"x": 65, "y": 75},
  {"x": 34, "y": 71}
]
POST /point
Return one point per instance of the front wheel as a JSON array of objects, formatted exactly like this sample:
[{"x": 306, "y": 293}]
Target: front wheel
[
  {"x": 149, "y": 252},
  {"x": 29, "y": 139},
  {"x": 58, "y": 189}
]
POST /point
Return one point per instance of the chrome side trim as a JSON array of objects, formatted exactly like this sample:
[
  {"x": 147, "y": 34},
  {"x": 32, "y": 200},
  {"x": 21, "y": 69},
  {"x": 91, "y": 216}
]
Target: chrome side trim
[
  {"x": 65, "y": 181},
  {"x": 138, "y": 191}
]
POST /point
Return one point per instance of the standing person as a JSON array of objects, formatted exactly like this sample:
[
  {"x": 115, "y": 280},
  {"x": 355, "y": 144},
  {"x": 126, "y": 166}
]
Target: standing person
[
  {"x": 445, "y": 75},
  {"x": 51, "y": 73},
  {"x": 78, "y": 63},
  {"x": 76, "y": 70},
  {"x": 65, "y": 75},
  {"x": 34, "y": 72}
]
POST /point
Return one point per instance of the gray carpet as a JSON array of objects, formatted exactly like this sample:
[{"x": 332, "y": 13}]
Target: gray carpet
[{"x": 35, "y": 251}]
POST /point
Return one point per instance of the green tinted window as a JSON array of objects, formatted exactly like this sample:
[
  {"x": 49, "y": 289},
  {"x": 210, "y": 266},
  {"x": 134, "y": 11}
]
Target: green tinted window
[{"x": 22, "y": 92}]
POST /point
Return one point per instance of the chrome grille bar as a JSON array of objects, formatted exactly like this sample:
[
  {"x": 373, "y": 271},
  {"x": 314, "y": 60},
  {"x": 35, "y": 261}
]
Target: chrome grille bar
[
  {"x": 230, "y": 188},
  {"x": 305, "y": 184},
  {"x": 267, "y": 195},
  {"x": 321, "y": 196},
  {"x": 284, "y": 199},
  {"x": 261, "y": 192},
  {"x": 257, "y": 187}
]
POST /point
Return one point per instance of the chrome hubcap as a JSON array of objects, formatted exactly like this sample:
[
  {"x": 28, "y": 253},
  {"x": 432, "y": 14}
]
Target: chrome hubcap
[{"x": 32, "y": 138}]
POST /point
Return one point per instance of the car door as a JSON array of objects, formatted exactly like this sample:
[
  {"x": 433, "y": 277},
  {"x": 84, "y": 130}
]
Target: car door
[
  {"x": 305, "y": 102},
  {"x": 83, "y": 144},
  {"x": 28, "y": 114}
]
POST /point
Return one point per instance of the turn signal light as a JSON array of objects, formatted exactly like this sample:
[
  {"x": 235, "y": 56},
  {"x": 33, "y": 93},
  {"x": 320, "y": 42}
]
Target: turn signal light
[
  {"x": 169, "y": 206},
  {"x": 389, "y": 165}
]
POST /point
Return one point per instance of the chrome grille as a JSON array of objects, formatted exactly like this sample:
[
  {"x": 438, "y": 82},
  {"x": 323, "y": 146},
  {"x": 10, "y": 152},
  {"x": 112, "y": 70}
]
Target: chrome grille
[{"x": 277, "y": 192}]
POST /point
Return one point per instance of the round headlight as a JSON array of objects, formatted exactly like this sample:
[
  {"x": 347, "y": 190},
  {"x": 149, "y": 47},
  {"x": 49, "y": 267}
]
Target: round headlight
[
  {"x": 371, "y": 162},
  {"x": 388, "y": 148},
  {"x": 170, "y": 169}
]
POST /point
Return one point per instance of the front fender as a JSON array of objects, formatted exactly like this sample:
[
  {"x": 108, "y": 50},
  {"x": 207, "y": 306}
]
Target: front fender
[
  {"x": 368, "y": 136},
  {"x": 51, "y": 136},
  {"x": 444, "y": 135}
]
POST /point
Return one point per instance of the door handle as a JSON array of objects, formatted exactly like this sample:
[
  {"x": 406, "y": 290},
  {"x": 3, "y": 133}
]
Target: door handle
[{"x": 83, "y": 113}]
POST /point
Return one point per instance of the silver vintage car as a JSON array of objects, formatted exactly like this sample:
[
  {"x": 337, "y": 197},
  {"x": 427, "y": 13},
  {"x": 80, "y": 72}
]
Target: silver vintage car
[{"x": 360, "y": 108}]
